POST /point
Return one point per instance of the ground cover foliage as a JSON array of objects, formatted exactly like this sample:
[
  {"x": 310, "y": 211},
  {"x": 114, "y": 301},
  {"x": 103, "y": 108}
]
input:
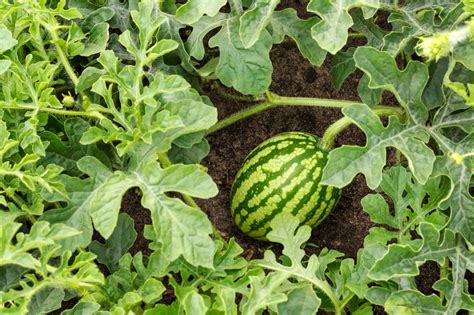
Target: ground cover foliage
[{"x": 98, "y": 97}]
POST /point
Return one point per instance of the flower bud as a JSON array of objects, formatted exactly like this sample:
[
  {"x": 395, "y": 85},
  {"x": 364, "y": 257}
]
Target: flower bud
[{"x": 68, "y": 101}]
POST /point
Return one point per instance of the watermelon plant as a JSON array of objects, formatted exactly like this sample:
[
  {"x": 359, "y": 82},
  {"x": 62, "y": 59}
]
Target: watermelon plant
[{"x": 107, "y": 101}]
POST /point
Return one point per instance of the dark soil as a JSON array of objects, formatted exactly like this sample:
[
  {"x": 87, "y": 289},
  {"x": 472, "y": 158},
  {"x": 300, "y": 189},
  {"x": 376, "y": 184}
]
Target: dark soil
[
  {"x": 141, "y": 217},
  {"x": 429, "y": 274}
]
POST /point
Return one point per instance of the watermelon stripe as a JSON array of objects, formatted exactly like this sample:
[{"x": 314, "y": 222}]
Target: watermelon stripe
[
  {"x": 282, "y": 205},
  {"x": 284, "y": 173},
  {"x": 263, "y": 225},
  {"x": 254, "y": 175},
  {"x": 268, "y": 152},
  {"x": 286, "y": 190},
  {"x": 316, "y": 208},
  {"x": 334, "y": 199},
  {"x": 286, "y": 136}
]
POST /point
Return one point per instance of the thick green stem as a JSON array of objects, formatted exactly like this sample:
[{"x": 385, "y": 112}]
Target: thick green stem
[
  {"x": 274, "y": 100},
  {"x": 329, "y": 136},
  {"x": 240, "y": 115},
  {"x": 356, "y": 35},
  {"x": 236, "y": 6},
  {"x": 333, "y": 130},
  {"x": 62, "y": 55},
  {"x": 346, "y": 300},
  {"x": 31, "y": 218},
  {"x": 444, "y": 272},
  {"x": 165, "y": 162},
  {"x": 91, "y": 114}
]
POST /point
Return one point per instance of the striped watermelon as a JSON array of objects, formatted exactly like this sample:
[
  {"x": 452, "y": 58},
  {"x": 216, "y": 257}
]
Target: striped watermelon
[{"x": 282, "y": 175}]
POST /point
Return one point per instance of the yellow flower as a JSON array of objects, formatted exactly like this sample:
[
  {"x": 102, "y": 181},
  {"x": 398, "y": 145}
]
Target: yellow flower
[
  {"x": 440, "y": 45},
  {"x": 435, "y": 47},
  {"x": 456, "y": 157}
]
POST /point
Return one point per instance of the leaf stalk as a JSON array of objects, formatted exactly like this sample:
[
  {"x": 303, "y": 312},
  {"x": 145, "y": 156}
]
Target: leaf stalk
[
  {"x": 337, "y": 127},
  {"x": 236, "y": 6},
  {"x": 91, "y": 114},
  {"x": 62, "y": 55}
]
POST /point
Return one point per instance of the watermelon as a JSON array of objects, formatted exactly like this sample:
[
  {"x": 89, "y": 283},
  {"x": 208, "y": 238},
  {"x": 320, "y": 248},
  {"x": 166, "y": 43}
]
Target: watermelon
[{"x": 282, "y": 175}]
